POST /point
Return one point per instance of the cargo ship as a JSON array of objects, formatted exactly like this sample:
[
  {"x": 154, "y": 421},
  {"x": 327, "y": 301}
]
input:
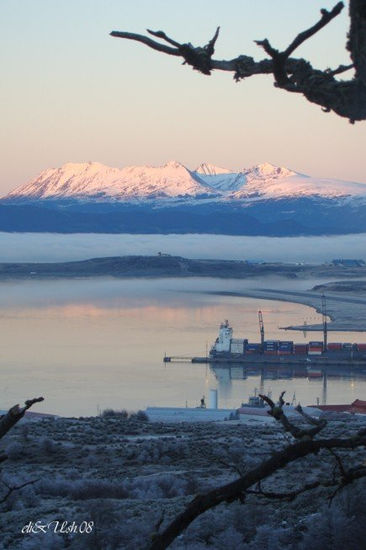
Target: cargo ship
[
  {"x": 229, "y": 349},
  {"x": 314, "y": 355}
]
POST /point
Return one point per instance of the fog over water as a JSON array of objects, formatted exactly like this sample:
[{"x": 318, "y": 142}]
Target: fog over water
[
  {"x": 42, "y": 247},
  {"x": 97, "y": 343}
]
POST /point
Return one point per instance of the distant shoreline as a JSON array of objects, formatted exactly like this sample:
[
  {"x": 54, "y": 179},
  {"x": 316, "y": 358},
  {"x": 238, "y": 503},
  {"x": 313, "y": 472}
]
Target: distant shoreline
[
  {"x": 346, "y": 313},
  {"x": 346, "y": 299},
  {"x": 166, "y": 265}
]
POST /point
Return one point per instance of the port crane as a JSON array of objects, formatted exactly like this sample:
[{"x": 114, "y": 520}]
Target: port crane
[
  {"x": 261, "y": 329},
  {"x": 325, "y": 326}
]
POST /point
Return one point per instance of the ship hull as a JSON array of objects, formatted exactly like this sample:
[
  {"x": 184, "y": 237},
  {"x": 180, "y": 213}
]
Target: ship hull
[{"x": 306, "y": 360}]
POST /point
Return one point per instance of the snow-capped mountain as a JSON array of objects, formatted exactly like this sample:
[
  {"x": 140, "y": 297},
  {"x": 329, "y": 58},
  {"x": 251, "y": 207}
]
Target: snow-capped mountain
[
  {"x": 261, "y": 200},
  {"x": 95, "y": 181}
]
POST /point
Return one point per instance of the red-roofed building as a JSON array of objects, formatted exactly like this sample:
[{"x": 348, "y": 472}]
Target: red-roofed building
[{"x": 358, "y": 406}]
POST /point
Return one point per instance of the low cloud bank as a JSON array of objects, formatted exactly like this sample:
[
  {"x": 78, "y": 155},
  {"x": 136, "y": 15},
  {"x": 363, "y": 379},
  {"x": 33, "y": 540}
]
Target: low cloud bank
[{"x": 43, "y": 247}]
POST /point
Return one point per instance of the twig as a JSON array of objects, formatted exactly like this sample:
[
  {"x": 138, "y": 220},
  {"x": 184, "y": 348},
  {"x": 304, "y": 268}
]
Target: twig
[
  {"x": 291, "y": 495},
  {"x": 232, "y": 466},
  {"x": 11, "y": 489},
  {"x": 340, "y": 69},
  {"x": 163, "y": 36},
  {"x": 339, "y": 463},
  {"x": 147, "y": 41},
  {"x": 326, "y": 17}
]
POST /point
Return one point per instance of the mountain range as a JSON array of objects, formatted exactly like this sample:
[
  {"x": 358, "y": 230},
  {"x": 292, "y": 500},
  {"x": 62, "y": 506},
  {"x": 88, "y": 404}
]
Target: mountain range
[{"x": 261, "y": 200}]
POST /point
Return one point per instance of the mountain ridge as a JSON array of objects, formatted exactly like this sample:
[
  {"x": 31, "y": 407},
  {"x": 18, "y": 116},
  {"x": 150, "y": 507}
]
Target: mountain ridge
[
  {"x": 173, "y": 180},
  {"x": 261, "y": 200}
]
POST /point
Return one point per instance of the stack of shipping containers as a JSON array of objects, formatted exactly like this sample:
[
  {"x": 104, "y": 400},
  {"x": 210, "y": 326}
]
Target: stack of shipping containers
[
  {"x": 285, "y": 347},
  {"x": 253, "y": 348},
  {"x": 270, "y": 347},
  {"x": 315, "y": 348},
  {"x": 300, "y": 349}
]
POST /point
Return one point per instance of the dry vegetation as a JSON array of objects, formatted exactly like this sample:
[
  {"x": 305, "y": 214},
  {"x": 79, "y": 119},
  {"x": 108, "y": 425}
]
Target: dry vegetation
[{"x": 132, "y": 478}]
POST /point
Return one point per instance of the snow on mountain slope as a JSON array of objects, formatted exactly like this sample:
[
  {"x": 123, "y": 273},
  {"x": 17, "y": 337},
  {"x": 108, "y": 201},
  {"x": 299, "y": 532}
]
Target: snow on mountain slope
[
  {"x": 221, "y": 179},
  {"x": 87, "y": 180},
  {"x": 270, "y": 182},
  {"x": 91, "y": 181}
]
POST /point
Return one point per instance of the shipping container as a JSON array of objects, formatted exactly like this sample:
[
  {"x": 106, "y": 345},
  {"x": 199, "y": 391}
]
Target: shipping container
[
  {"x": 237, "y": 347},
  {"x": 334, "y": 345},
  {"x": 270, "y": 344},
  {"x": 255, "y": 346}
]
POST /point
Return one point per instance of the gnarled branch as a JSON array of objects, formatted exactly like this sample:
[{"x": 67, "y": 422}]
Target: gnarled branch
[
  {"x": 276, "y": 410},
  {"x": 236, "y": 490},
  {"x": 345, "y": 98},
  {"x": 8, "y": 420}
]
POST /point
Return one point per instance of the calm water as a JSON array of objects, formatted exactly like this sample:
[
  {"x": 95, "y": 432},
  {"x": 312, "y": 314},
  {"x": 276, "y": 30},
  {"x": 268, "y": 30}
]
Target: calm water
[{"x": 89, "y": 345}]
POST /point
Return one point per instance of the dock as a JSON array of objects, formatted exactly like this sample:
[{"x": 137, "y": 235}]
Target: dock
[{"x": 263, "y": 360}]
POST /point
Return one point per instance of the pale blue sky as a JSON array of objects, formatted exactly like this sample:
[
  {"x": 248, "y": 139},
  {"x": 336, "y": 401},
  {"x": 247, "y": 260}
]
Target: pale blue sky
[{"x": 69, "y": 92}]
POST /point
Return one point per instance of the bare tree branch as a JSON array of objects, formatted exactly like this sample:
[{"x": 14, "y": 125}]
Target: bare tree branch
[
  {"x": 235, "y": 490},
  {"x": 146, "y": 40},
  {"x": 276, "y": 410},
  {"x": 280, "y": 70},
  {"x": 345, "y": 98},
  {"x": 326, "y": 17},
  {"x": 8, "y": 420},
  {"x": 163, "y": 36}
]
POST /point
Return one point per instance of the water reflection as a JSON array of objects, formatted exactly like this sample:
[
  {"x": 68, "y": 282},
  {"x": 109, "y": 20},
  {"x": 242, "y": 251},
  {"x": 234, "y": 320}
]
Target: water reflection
[
  {"x": 308, "y": 384},
  {"x": 89, "y": 345}
]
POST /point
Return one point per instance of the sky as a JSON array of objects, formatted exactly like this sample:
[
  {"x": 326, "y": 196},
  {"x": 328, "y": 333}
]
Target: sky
[{"x": 71, "y": 93}]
